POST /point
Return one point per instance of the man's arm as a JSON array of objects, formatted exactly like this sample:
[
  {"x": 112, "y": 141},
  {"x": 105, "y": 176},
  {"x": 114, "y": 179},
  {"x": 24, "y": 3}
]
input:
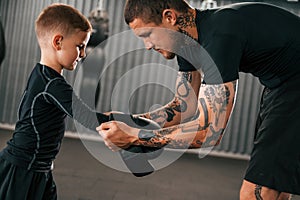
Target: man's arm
[
  {"x": 215, "y": 106},
  {"x": 184, "y": 104}
]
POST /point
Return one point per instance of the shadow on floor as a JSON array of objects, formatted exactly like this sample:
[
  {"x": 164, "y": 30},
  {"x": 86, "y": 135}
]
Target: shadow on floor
[{"x": 79, "y": 176}]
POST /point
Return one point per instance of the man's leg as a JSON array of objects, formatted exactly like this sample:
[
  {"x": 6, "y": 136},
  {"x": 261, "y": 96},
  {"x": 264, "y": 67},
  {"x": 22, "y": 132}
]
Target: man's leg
[
  {"x": 251, "y": 191},
  {"x": 284, "y": 196}
]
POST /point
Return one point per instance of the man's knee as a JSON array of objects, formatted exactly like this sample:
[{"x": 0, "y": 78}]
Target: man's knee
[
  {"x": 247, "y": 190},
  {"x": 284, "y": 196},
  {"x": 251, "y": 191}
]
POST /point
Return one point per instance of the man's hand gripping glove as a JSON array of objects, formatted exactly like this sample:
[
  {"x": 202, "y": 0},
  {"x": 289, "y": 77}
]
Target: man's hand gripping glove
[{"x": 137, "y": 158}]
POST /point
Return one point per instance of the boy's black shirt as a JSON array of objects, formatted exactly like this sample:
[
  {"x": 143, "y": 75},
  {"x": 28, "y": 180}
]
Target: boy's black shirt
[{"x": 45, "y": 103}]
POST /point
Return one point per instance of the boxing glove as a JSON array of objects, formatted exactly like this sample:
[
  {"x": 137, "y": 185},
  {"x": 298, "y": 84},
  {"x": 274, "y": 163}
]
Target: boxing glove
[{"x": 137, "y": 158}]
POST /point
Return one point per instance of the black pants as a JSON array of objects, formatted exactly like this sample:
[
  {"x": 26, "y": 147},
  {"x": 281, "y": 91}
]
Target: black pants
[
  {"x": 17, "y": 183},
  {"x": 275, "y": 158}
]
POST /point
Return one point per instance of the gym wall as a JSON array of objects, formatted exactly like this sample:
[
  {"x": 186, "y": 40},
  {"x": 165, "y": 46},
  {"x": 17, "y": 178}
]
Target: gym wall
[{"x": 22, "y": 53}]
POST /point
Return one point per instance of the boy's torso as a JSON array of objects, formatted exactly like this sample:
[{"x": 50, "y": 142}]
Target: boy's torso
[{"x": 40, "y": 127}]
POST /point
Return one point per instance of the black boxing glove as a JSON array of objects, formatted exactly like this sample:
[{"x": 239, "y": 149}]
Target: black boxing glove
[
  {"x": 136, "y": 157},
  {"x": 102, "y": 118}
]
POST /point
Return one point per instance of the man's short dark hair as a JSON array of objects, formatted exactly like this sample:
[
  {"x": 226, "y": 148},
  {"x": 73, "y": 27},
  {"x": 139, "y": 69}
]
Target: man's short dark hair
[{"x": 151, "y": 10}]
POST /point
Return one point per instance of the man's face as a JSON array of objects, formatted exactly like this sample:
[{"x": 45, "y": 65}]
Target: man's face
[{"x": 157, "y": 37}]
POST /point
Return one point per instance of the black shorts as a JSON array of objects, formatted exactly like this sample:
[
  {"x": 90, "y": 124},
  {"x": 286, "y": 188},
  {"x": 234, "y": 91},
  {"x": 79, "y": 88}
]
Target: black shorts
[
  {"x": 19, "y": 183},
  {"x": 275, "y": 158}
]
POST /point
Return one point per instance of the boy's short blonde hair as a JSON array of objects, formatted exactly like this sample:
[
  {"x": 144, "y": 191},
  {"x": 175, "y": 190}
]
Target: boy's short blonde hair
[{"x": 60, "y": 18}]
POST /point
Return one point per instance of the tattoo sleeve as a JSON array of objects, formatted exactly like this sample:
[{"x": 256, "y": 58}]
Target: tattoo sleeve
[
  {"x": 214, "y": 107},
  {"x": 184, "y": 103},
  {"x": 257, "y": 192}
]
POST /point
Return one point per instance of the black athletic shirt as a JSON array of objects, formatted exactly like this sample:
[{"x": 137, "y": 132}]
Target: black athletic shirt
[
  {"x": 256, "y": 38},
  {"x": 46, "y": 101}
]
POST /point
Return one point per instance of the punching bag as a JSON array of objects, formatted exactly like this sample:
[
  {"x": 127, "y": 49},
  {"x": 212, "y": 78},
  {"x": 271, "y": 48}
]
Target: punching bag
[
  {"x": 94, "y": 62},
  {"x": 99, "y": 21},
  {"x": 2, "y": 43}
]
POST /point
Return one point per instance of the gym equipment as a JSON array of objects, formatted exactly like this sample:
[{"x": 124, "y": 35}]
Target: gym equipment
[
  {"x": 96, "y": 56},
  {"x": 99, "y": 21}
]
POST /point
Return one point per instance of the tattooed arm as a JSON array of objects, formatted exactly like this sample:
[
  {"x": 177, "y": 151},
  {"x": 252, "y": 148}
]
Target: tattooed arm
[
  {"x": 184, "y": 104},
  {"x": 215, "y": 106}
]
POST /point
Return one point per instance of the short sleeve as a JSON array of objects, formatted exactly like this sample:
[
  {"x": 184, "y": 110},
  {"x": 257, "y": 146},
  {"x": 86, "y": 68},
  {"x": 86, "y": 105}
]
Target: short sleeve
[
  {"x": 220, "y": 49},
  {"x": 225, "y": 42},
  {"x": 226, "y": 52},
  {"x": 185, "y": 65}
]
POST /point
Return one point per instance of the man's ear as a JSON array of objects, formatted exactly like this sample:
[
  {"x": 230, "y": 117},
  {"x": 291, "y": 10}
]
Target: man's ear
[
  {"x": 169, "y": 16},
  {"x": 57, "y": 41}
]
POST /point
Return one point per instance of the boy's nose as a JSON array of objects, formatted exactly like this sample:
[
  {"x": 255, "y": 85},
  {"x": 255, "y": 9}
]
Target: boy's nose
[{"x": 82, "y": 54}]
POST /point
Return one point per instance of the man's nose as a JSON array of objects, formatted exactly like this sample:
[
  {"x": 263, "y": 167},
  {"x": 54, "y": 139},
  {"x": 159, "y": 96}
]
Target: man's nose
[{"x": 149, "y": 45}]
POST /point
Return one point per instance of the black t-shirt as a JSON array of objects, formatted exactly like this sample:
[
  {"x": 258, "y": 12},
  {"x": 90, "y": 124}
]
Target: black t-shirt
[
  {"x": 255, "y": 38},
  {"x": 46, "y": 101}
]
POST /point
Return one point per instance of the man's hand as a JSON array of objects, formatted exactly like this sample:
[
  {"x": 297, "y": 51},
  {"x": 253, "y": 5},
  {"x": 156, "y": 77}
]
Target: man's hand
[{"x": 117, "y": 135}]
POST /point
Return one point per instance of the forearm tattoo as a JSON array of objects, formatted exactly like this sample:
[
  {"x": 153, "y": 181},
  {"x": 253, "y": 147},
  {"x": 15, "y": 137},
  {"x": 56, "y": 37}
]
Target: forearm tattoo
[
  {"x": 198, "y": 127},
  {"x": 177, "y": 105},
  {"x": 217, "y": 102},
  {"x": 257, "y": 192},
  {"x": 217, "y": 97},
  {"x": 208, "y": 128},
  {"x": 183, "y": 87}
]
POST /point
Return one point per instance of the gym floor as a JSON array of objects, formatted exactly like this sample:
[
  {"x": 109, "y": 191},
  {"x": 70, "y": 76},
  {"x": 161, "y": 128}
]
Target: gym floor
[{"x": 79, "y": 176}]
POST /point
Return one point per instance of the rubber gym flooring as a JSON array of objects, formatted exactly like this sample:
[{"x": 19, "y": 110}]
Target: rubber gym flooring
[{"x": 79, "y": 176}]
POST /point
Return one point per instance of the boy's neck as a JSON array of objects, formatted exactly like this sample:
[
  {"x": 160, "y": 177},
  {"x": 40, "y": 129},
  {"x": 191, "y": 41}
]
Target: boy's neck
[{"x": 51, "y": 65}]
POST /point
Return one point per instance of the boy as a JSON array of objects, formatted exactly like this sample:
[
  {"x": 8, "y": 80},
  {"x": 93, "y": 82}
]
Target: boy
[{"x": 25, "y": 164}]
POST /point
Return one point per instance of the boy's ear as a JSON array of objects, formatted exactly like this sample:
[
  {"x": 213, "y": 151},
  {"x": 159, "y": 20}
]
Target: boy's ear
[
  {"x": 56, "y": 41},
  {"x": 169, "y": 16}
]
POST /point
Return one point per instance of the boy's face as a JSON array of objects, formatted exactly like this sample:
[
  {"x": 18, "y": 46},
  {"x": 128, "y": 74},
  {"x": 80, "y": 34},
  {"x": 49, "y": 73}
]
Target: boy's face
[{"x": 72, "y": 49}]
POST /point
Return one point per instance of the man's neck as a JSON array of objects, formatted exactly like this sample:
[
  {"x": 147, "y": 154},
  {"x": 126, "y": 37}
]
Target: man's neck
[{"x": 187, "y": 24}]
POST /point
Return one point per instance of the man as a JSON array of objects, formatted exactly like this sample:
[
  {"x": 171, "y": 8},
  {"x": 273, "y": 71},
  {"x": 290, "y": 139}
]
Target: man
[{"x": 255, "y": 38}]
